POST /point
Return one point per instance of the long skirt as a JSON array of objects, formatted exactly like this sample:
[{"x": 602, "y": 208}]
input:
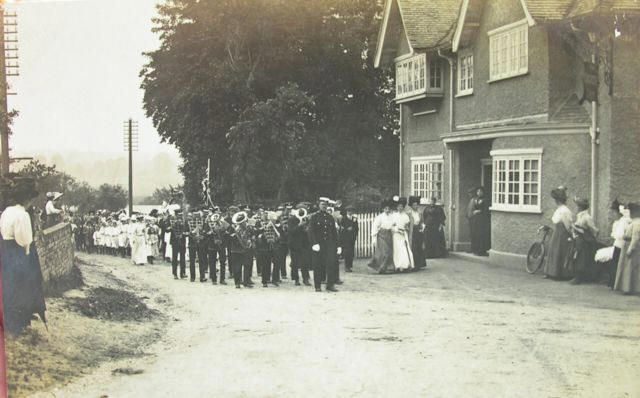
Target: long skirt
[
  {"x": 22, "y": 291},
  {"x": 153, "y": 248},
  {"x": 434, "y": 242},
  {"x": 402, "y": 255},
  {"x": 168, "y": 249},
  {"x": 382, "y": 260},
  {"x": 585, "y": 265},
  {"x": 480, "y": 234},
  {"x": 139, "y": 251},
  {"x": 417, "y": 242},
  {"x": 558, "y": 259},
  {"x": 628, "y": 275}
]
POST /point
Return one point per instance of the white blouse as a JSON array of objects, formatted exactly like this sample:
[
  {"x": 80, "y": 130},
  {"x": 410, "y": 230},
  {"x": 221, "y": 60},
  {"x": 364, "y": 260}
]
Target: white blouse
[
  {"x": 564, "y": 215},
  {"x": 382, "y": 221},
  {"x": 617, "y": 231},
  {"x": 585, "y": 221},
  {"x": 15, "y": 224},
  {"x": 401, "y": 222},
  {"x": 415, "y": 217}
]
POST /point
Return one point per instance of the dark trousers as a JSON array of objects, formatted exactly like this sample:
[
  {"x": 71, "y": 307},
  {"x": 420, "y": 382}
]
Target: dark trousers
[
  {"x": 348, "y": 253},
  {"x": 175, "y": 251},
  {"x": 264, "y": 259},
  {"x": 214, "y": 255},
  {"x": 241, "y": 264},
  {"x": 201, "y": 253},
  {"x": 280, "y": 262},
  {"x": 298, "y": 260},
  {"x": 325, "y": 264}
]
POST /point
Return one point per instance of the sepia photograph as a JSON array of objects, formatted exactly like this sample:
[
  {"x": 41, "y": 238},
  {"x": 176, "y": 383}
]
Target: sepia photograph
[{"x": 320, "y": 198}]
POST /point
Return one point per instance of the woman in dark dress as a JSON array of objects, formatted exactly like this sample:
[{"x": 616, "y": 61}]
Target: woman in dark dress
[
  {"x": 382, "y": 235},
  {"x": 585, "y": 233},
  {"x": 557, "y": 265},
  {"x": 479, "y": 223},
  {"x": 22, "y": 292},
  {"x": 417, "y": 232},
  {"x": 434, "y": 219}
]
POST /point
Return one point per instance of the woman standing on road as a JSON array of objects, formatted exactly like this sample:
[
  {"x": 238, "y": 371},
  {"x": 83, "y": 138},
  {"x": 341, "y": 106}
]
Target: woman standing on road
[
  {"x": 585, "y": 233},
  {"x": 479, "y": 223},
  {"x": 556, "y": 265},
  {"x": 434, "y": 220},
  {"x": 402, "y": 254},
  {"x": 381, "y": 234},
  {"x": 22, "y": 292},
  {"x": 628, "y": 276}
]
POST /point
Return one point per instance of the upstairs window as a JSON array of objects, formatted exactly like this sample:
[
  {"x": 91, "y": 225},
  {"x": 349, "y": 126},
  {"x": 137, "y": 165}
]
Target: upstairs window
[
  {"x": 410, "y": 76},
  {"x": 509, "y": 51},
  {"x": 465, "y": 74},
  {"x": 435, "y": 74}
]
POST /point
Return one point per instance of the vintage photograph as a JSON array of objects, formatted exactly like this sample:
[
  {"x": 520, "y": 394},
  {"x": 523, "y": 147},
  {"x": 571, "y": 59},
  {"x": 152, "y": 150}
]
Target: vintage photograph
[{"x": 320, "y": 198}]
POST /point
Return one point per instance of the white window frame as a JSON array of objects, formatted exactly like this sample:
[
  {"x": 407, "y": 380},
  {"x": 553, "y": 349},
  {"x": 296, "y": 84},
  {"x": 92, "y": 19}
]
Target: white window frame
[
  {"x": 509, "y": 51},
  {"x": 411, "y": 71},
  {"x": 465, "y": 73},
  {"x": 504, "y": 189},
  {"x": 423, "y": 169},
  {"x": 435, "y": 89}
]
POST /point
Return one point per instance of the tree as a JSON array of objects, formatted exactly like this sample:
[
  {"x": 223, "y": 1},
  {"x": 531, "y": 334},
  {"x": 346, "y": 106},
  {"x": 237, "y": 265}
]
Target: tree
[
  {"x": 111, "y": 197},
  {"x": 222, "y": 67},
  {"x": 167, "y": 194}
]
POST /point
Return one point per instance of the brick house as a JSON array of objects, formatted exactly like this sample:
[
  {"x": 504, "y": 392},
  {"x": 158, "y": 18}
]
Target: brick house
[{"x": 489, "y": 94}]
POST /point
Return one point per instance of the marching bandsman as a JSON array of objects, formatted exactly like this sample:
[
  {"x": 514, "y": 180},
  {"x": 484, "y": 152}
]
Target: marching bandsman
[
  {"x": 194, "y": 221},
  {"x": 178, "y": 242},
  {"x": 298, "y": 243},
  {"x": 215, "y": 236},
  {"x": 323, "y": 238},
  {"x": 266, "y": 245},
  {"x": 240, "y": 248},
  {"x": 348, "y": 236}
]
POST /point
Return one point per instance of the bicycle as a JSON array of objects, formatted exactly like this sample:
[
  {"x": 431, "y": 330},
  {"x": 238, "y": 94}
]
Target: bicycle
[{"x": 538, "y": 251}]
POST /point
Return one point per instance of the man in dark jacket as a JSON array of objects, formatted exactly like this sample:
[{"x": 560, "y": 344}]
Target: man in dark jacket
[
  {"x": 348, "y": 236},
  {"x": 178, "y": 244},
  {"x": 323, "y": 238},
  {"x": 298, "y": 243}
]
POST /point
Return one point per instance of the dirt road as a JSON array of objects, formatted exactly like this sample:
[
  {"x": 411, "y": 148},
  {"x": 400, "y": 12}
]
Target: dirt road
[{"x": 458, "y": 329}]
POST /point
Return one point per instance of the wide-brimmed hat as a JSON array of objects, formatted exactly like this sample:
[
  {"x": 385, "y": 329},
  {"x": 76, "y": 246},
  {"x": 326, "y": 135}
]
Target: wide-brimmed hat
[
  {"x": 57, "y": 195},
  {"x": 239, "y": 217},
  {"x": 414, "y": 200},
  {"x": 324, "y": 199},
  {"x": 559, "y": 194},
  {"x": 634, "y": 209},
  {"x": 400, "y": 200}
]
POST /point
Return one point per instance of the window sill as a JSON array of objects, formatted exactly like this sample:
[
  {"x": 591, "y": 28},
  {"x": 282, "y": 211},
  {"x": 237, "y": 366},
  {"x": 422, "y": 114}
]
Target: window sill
[
  {"x": 464, "y": 94},
  {"x": 498, "y": 79},
  {"x": 515, "y": 210},
  {"x": 415, "y": 97}
]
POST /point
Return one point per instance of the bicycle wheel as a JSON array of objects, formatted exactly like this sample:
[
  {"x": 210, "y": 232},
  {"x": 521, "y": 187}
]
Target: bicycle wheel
[{"x": 535, "y": 257}]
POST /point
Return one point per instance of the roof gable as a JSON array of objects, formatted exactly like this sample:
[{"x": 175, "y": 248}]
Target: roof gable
[{"x": 427, "y": 24}]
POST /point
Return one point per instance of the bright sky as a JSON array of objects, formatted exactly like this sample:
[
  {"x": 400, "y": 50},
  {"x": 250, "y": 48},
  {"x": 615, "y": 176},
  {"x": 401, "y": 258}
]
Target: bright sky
[{"x": 79, "y": 75}]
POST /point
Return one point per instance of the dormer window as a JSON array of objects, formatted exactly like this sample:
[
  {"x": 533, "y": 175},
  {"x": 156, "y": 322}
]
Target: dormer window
[
  {"x": 509, "y": 51},
  {"x": 417, "y": 77}
]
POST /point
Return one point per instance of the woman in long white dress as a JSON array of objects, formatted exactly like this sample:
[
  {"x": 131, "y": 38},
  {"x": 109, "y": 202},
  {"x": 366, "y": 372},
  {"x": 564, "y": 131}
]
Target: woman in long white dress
[
  {"x": 138, "y": 244},
  {"x": 402, "y": 255}
]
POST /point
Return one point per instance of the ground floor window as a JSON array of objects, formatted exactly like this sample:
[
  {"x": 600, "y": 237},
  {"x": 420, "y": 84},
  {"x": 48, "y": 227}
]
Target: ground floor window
[
  {"x": 426, "y": 177},
  {"x": 516, "y": 179}
]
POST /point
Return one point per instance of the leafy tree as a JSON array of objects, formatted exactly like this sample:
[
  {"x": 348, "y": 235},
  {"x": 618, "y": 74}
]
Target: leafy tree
[
  {"x": 166, "y": 194},
  {"x": 111, "y": 197},
  {"x": 224, "y": 66}
]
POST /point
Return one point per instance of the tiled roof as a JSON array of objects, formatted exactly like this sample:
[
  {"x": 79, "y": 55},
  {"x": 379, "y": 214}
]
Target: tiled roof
[
  {"x": 560, "y": 9},
  {"x": 548, "y": 9},
  {"x": 429, "y": 23},
  {"x": 583, "y": 7}
]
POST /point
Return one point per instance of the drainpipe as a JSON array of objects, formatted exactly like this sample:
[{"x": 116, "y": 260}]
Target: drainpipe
[
  {"x": 594, "y": 153},
  {"x": 452, "y": 208},
  {"x": 400, "y": 147}
]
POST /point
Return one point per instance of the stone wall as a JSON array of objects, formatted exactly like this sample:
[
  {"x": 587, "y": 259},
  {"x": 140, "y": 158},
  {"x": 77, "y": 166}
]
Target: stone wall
[{"x": 56, "y": 251}]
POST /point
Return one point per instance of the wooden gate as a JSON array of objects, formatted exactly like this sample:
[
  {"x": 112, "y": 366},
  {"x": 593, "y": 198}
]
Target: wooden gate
[{"x": 364, "y": 246}]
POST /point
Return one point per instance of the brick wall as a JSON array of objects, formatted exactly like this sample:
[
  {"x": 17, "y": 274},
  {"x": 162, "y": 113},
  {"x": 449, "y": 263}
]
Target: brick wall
[{"x": 56, "y": 250}]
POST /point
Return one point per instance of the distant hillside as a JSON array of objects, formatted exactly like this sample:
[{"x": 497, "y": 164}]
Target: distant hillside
[{"x": 149, "y": 172}]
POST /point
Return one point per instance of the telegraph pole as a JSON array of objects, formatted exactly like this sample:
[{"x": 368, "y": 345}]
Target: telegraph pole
[
  {"x": 131, "y": 144},
  {"x": 8, "y": 51}
]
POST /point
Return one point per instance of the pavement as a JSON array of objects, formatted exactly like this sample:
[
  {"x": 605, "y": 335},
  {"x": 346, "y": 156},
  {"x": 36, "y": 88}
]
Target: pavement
[{"x": 460, "y": 328}]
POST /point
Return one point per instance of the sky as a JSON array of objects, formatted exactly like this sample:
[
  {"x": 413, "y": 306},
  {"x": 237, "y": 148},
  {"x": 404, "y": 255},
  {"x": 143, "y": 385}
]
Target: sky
[{"x": 79, "y": 76}]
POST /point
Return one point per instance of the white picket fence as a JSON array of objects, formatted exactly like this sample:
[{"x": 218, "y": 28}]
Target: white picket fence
[{"x": 364, "y": 246}]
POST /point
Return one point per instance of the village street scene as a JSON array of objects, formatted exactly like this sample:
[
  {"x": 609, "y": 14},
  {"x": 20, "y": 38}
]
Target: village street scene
[{"x": 346, "y": 198}]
